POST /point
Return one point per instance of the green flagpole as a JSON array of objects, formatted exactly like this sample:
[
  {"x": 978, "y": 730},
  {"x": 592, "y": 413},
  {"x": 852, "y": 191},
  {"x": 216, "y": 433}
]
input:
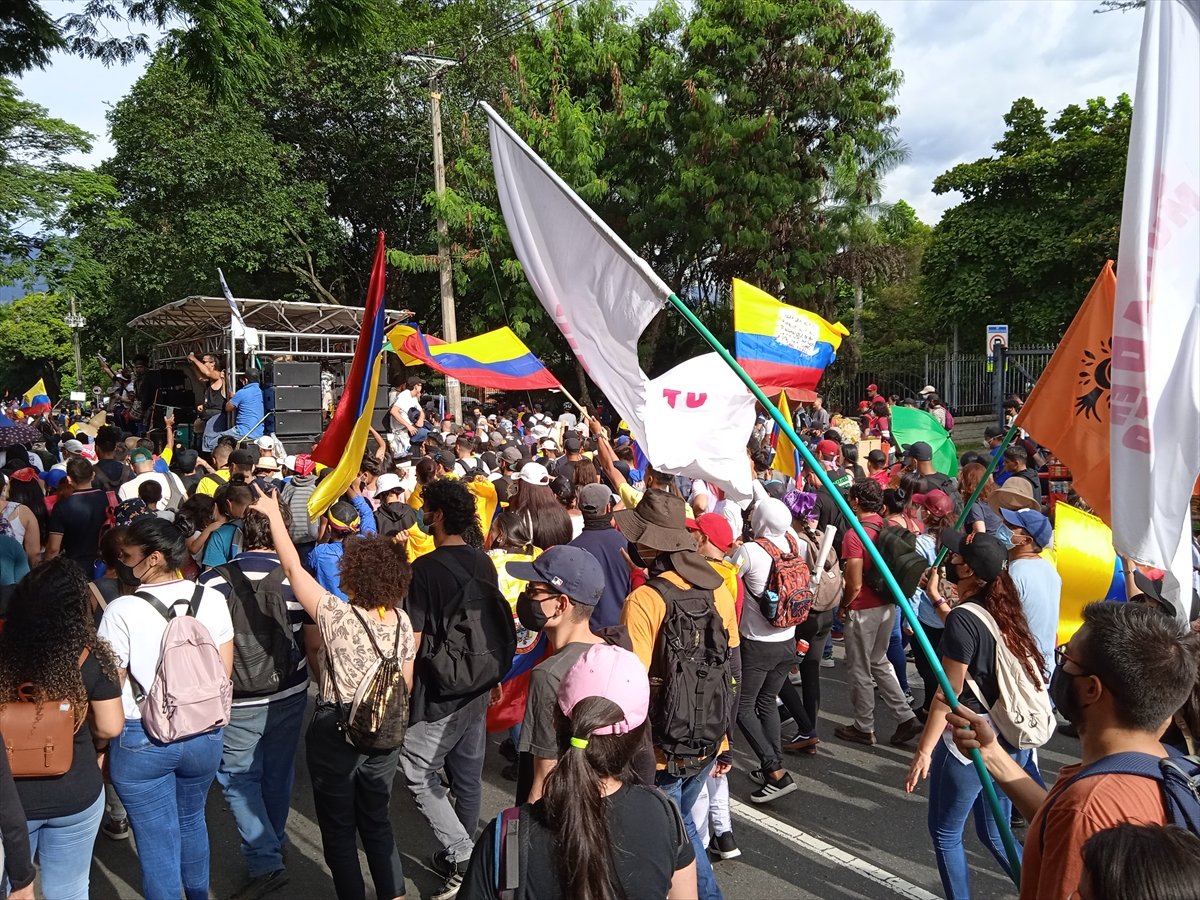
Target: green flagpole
[
  {"x": 989, "y": 789},
  {"x": 991, "y": 467}
]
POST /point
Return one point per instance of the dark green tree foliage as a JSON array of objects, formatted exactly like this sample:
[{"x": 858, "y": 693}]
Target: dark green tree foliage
[
  {"x": 224, "y": 45},
  {"x": 35, "y": 181},
  {"x": 1036, "y": 223}
]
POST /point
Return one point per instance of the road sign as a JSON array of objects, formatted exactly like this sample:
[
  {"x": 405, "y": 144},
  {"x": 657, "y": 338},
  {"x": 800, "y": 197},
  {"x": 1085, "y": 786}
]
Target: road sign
[{"x": 996, "y": 334}]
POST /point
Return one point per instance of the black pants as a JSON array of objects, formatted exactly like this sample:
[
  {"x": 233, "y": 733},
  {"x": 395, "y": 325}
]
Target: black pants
[
  {"x": 352, "y": 793},
  {"x": 923, "y": 667},
  {"x": 765, "y": 666},
  {"x": 805, "y": 702}
]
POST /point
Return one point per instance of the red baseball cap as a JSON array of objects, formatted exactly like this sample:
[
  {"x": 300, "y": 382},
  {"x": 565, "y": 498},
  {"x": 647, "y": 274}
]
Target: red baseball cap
[
  {"x": 304, "y": 464},
  {"x": 827, "y": 448},
  {"x": 936, "y": 502},
  {"x": 716, "y": 528}
]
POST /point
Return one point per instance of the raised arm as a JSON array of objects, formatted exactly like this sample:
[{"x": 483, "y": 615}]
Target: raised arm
[
  {"x": 203, "y": 369},
  {"x": 305, "y": 588}
]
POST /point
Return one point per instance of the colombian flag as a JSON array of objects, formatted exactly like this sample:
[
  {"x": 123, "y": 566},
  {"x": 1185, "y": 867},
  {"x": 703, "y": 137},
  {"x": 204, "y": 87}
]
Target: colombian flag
[
  {"x": 786, "y": 456},
  {"x": 400, "y": 334},
  {"x": 36, "y": 400},
  {"x": 780, "y": 345},
  {"x": 497, "y": 359},
  {"x": 344, "y": 441}
]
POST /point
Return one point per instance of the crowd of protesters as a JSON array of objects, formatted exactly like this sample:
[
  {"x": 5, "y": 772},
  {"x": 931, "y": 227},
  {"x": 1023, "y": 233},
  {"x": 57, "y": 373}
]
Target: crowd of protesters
[{"x": 191, "y": 622}]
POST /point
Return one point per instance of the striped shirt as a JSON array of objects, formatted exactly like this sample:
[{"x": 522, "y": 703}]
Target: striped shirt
[{"x": 256, "y": 565}]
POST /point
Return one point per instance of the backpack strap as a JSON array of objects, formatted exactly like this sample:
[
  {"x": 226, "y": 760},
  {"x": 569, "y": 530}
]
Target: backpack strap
[
  {"x": 1130, "y": 762},
  {"x": 511, "y": 825}
]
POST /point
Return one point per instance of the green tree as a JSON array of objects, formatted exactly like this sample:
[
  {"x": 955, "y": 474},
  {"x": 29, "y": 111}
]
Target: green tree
[
  {"x": 223, "y": 44},
  {"x": 35, "y": 180},
  {"x": 35, "y": 342},
  {"x": 1036, "y": 223}
]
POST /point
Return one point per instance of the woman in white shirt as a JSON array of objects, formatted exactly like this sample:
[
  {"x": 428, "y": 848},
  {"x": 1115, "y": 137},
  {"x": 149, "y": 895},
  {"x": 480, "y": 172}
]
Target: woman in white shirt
[
  {"x": 163, "y": 786},
  {"x": 768, "y": 653}
]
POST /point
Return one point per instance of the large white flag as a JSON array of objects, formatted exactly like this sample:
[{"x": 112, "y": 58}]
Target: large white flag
[
  {"x": 599, "y": 292},
  {"x": 699, "y": 416},
  {"x": 1155, "y": 434}
]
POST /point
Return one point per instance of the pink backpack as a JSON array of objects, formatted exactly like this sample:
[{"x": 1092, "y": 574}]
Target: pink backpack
[{"x": 190, "y": 694}]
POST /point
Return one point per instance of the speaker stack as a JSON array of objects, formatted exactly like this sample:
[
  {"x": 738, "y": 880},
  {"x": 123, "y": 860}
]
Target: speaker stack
[
  {"x": 298, "y": 414},
  {"x": 170, "y": 388}
]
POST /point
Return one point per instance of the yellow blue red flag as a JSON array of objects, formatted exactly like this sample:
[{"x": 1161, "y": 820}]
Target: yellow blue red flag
[
  {"x": 344, "y": 441},
  {"x": 497, "y": 359},
  {"x": 36, "y": 400},
  {"x": 778, "y": 344}
]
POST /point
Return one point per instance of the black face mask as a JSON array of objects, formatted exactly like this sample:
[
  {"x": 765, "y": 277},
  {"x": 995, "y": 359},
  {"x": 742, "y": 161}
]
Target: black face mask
[
  {"x": 632, "y": 550},
  {"x": 952, "y": 573},
  {"x": 1062, "y": 695},
  {"x": 126, "y": 574},
  {"x": 529, "y": 612}
]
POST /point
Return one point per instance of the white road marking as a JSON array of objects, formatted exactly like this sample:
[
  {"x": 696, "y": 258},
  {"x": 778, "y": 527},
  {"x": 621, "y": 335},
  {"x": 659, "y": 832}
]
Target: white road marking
[{"x": 835, "y": 855}]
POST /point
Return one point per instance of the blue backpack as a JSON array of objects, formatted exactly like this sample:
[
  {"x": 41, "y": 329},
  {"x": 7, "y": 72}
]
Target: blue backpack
[{"x": 1178, "y": 777}]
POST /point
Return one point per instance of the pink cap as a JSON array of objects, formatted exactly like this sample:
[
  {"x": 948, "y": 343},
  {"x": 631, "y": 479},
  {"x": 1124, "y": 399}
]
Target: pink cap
[{"x": 612, "y": 673}]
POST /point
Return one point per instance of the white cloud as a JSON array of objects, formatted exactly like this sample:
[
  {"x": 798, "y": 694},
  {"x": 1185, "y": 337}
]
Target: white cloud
[{"x": 964, "y": 63}]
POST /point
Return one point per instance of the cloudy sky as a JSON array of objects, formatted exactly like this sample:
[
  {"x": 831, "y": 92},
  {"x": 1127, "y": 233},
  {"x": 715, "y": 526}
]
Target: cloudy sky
[{"x": 964, "y": 62}]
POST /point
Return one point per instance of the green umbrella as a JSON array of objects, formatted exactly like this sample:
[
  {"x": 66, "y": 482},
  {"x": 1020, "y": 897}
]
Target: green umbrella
[{"x": 911, "y": 425}]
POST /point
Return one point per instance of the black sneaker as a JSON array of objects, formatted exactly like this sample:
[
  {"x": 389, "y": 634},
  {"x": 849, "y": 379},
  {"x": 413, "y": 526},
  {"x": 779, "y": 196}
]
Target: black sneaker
[
  {"x": 509, "y": 772},
  {"x": 723, "y": 846},
  {"x": 117, "y": 829},
  {"x": 261, "y": 885},
  {"x": 757, "y": 775},
  {"x": 453, "y": 882},
  {"x": 773, "y": 789},
  {"x": 508, "y": 750}
]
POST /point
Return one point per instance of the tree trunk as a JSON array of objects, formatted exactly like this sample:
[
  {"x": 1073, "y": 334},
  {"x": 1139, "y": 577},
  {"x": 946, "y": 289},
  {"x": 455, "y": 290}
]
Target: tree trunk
[
  {"x": 856, "y": 328},
  {"x": 585, "y": 395}
]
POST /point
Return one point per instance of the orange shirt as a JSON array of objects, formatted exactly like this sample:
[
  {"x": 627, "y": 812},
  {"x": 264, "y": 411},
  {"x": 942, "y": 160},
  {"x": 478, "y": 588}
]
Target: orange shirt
[{"x": 1051, "y": 870}]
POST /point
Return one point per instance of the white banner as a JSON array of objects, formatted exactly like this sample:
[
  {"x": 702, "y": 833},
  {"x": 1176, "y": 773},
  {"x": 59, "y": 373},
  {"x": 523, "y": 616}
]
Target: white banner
[
  {"x": 598, "y": 291},
  {"x": 699, "y": 417},
  {"x": 1155, "y": 434}
]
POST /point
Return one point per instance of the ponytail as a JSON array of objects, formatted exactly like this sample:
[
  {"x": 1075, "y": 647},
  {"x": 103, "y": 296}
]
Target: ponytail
[
  {"x": 1004, "y": 603},
  {"x": 574, "y": 805}
]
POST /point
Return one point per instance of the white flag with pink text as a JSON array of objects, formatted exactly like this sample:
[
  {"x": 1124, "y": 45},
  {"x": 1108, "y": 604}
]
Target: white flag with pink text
[{"x": 1155, "y": 433}]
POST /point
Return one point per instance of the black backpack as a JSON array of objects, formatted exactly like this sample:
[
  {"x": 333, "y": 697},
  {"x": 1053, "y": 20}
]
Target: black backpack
[
  {"x": 691, "y": 679},
  {"x": 265, "y": 653},
  {"x": 474, "y": 647},
  {"x": 898, "y": 547}
]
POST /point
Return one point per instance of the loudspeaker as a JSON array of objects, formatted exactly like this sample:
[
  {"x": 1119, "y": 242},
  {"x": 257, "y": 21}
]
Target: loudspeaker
[
  {"x": 308, "y": 398},
  {"x": 294, "y": 445},
  {"x": 298, "y": 374},
  {"x": 298, "y": 422}
]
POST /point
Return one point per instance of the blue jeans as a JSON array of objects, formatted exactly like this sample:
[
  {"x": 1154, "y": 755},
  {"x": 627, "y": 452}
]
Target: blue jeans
[
  {"x": 256, "y": 773},
  {"x": 895, "y": 653},
  {"x": 163, "y": 787},
  {"x": 62, "y": 847},
  {"x": 684, "y": 789},
  {"x": 954, "y": 794}
]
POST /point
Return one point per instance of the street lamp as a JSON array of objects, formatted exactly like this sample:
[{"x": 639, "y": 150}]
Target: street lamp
[{"x": 76, "y": 323}]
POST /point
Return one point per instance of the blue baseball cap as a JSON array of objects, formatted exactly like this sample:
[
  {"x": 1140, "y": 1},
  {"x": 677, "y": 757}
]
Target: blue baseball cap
[
  {"x": 1032, "y": 521},
  {"x": 569, "y": 570}
]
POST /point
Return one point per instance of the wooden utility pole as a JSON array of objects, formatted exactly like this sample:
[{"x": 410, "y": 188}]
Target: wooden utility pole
[{"x": 434, "y": 66}]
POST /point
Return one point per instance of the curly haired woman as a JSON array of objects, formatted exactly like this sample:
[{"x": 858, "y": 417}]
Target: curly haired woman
[{"x": 50, "y": 641}]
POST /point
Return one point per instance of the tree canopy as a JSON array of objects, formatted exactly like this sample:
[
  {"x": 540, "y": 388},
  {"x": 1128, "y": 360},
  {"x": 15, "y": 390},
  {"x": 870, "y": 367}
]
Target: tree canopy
[{"x": 1036, "y": 223}]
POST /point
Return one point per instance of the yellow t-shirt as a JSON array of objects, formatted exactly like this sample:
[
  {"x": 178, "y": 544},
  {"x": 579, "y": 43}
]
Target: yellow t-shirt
[
  {"x": 208, "y": 486},
  {"x": 630, "y": 496}
]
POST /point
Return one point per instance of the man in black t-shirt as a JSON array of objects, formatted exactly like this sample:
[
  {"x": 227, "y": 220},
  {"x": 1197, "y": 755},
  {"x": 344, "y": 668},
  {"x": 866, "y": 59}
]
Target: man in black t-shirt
[
  {"x": 445, "y": 733},
  {"x": 76, "y": 521},
  {"x": 110, "y": 472}
]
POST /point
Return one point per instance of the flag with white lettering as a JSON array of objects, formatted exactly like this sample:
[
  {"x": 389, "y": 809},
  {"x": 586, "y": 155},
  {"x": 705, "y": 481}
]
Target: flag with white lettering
[{"x": 1155, "y": 432}]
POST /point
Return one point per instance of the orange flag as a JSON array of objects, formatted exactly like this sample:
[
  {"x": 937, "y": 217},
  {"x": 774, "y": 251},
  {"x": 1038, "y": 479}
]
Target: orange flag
[{"x": 1068, "y": 410}]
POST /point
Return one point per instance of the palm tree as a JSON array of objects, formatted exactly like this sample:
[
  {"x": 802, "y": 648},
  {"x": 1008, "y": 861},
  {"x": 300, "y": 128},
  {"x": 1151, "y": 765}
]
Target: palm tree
[{"x": 853, "y": 211}]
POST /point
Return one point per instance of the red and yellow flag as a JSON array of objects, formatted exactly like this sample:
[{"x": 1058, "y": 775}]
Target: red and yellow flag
[{"x": 1069, "y": 408}]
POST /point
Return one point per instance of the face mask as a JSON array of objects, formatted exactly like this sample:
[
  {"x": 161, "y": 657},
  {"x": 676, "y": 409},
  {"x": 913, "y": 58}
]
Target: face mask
[
  {"x": 127, "y": 573},
  {"x": 1062, "y": 695},
  {"x": 529, "y": 612},
  {"x": 952, "y": 573},
  {"x": 632, "y": 550},
  {"x": 1005, "y": 536}
]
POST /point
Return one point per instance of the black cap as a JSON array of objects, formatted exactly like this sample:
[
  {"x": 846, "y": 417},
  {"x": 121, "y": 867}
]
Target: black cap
[
  {"x": 920, "y": 451},
  {"x": 877, "y": 458},
  {"x": 572, "y": 443},
  {"x": 993, "y": 431},
  {"x": 243, "y": 457},
  {"x": 983, "y": 553}
]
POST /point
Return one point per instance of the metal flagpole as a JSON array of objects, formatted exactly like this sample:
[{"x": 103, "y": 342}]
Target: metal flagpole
[{"x": 910, "y": 615}]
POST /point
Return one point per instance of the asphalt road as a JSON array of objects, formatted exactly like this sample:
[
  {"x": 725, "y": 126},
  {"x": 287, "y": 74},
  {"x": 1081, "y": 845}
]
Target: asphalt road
[{"x": 849, "y": 831}]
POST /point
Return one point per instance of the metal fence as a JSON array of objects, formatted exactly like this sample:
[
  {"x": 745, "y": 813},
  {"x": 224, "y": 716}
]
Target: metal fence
[{"x": 964, "y": 380}]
